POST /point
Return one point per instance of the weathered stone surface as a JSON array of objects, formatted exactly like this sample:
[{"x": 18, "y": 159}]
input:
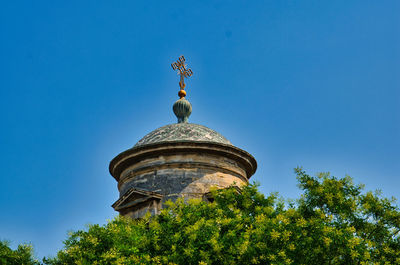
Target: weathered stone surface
[
  {"x": 182, "y": 182},
  {"x": 183, "y": 132},
  {"x": 179, "y": 160},
  {"x": 153, "y": 206},
  {"x": 187, "y": 161}
]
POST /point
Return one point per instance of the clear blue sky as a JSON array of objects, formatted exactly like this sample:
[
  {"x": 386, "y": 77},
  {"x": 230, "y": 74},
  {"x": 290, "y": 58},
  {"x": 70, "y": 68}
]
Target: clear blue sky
[{"x": 310, "y": 83}]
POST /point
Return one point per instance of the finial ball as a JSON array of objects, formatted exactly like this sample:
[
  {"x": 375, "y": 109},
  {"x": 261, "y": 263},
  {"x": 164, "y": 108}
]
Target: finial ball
[
  {"x": 182, "y": 93},
  {"x": 182, "y": 109}
]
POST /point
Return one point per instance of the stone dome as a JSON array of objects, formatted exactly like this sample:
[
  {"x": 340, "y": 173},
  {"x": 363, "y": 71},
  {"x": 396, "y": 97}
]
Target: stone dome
[
  {"x": 182, "y": 160},
  {"x": 183, "y": 132}
]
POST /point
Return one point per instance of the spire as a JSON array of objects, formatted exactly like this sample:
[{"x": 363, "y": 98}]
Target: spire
[{"x": 182, "y": 108}]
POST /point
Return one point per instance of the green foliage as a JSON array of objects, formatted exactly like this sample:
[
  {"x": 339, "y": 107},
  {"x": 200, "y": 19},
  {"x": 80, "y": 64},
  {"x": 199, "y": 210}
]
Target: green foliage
[
  {"x": 22, "y": 255},
  {"x": 333, "y": 222}
]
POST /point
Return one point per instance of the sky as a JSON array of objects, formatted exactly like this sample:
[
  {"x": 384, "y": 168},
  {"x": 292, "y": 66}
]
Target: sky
[{"x": 295, "y": 83}]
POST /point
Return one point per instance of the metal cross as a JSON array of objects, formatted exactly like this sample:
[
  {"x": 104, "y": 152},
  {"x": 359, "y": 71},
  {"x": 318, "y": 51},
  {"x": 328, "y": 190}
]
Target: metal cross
[{"x": 183, "y": 72}]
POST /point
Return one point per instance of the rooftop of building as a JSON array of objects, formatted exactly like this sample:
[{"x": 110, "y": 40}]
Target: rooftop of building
[{"x": 181, "y": 132}]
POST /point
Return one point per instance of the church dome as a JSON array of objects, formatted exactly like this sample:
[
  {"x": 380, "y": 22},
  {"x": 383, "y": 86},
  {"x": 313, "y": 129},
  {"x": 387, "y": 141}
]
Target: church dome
[{"x": 183, "y": 132}]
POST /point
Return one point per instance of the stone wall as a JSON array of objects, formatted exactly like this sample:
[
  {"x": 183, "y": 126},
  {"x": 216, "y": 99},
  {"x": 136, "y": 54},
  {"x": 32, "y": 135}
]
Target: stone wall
[{"x": 180, "y": 170}]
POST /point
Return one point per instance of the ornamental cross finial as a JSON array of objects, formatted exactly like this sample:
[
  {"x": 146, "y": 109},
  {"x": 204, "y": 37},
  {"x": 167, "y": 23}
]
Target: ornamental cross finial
[{"x": 183, "y": 72}]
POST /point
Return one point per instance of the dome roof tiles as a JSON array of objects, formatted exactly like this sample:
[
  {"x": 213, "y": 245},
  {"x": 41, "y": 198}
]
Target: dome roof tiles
[{"x": 183, "y": 132}]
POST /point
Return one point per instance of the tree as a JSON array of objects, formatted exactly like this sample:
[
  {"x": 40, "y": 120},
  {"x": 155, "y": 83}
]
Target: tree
[
  {"x": 333, "y": 222},
  {"x": 22, "y": 255}
]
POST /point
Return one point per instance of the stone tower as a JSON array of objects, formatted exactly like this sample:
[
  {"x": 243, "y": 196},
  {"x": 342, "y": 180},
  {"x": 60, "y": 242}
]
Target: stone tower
[{"x": 177, "y": 160}]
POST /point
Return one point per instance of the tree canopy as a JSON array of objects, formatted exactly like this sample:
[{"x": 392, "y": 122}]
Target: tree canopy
[
  {"x": 333, "y": 222},
  {"x": 22, "y": 255}
]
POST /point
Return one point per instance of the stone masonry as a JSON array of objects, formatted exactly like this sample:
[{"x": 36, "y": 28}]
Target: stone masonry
[{"x": 178, "y": 160}]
